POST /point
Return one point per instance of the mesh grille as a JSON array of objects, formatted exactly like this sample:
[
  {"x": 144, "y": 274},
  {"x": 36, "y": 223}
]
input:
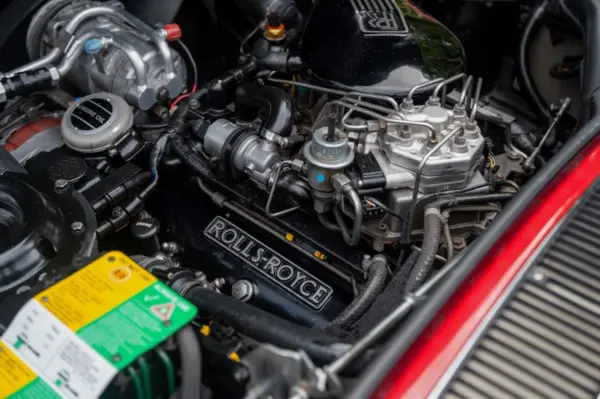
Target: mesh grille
[{"x": 545, "y": 340}]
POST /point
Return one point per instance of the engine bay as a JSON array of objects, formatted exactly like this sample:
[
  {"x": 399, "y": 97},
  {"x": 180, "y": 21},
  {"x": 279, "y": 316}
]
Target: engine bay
[{"x": 301, "y": 200}]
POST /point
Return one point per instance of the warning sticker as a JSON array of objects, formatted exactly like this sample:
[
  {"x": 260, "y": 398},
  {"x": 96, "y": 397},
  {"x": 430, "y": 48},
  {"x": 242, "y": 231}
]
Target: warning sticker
[
  {"x": 73, "y": 338},
  {"x": 95, "y": 290}
]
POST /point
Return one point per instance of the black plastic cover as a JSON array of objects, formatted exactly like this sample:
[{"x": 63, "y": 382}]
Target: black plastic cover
[{"x": 378, "y": 46}]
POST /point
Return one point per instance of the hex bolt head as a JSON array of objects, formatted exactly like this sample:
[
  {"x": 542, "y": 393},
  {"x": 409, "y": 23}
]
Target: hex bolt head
[
  {"x": 243, "y": 290},
  {"x": 77, "y": 227}
]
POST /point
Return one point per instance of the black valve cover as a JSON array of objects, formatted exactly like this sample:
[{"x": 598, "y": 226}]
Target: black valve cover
[{"x": 378, "y": 46}]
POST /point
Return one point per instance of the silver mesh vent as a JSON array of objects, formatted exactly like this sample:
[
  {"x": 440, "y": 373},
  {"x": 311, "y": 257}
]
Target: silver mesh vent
[{"x": 545, "y": 340}]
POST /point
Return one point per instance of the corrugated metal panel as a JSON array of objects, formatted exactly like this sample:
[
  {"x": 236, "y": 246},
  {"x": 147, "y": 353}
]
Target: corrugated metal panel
[{"x": 545, "y": 340}]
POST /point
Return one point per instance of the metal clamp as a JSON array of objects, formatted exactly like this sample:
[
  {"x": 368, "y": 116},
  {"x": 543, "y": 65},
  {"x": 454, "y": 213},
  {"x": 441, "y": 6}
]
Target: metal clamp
[{"x": 272, "y": 193}]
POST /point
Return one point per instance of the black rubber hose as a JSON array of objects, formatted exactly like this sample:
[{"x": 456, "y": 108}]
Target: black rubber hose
[
  {"x": 433, "y": 231},
  {"x": 191, "y": 364},
  {"x": 266, "y": 327},
  {"x": 150, "y": 126},
  {"x": 219, "y": 92},
  {"x": 431, "y": 244},
  {"x": 252, "y": 97},
  {"x": 524, "y": 144},
  {"x": 375, "y": 284},
  {"x": 199, "y": 165},
  {"x": 388, "y": 300},
  {"x": 294, "y": 186},
  {"x": 523, "y": 68}
]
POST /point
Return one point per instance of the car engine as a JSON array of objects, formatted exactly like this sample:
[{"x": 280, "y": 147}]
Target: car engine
[{"x": 289, "y": 209}]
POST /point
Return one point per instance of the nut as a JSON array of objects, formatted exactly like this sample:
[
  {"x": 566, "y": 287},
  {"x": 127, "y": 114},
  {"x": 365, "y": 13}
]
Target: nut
[{"x": 341, "y": 182}]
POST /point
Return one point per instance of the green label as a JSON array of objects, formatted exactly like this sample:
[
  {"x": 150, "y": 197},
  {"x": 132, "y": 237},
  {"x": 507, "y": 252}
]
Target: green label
[
  {"x": 37, "y": 389},
  {"x": 138, "y": 325}
]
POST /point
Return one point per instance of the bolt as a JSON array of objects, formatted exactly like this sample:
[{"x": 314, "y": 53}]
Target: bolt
[
  {"x": 162, "y": 94},
  {"x": 61, "y": 184},
  {"x": 170, "y": 247},
  {"x": 117, "y": 212},
  {"x": 194, "y": 104},
  {"x": 112, "y": 259},
  {"x": 77, "y": 226},
  {"x": 116, "y": 358},
  {"x": 366, "y": 262},
  {"x": 240, "y": 375},
  {"x": 219, "y": 283},
  {"x": 242, "y": 290},
  {"x": 44, "y": 299}
]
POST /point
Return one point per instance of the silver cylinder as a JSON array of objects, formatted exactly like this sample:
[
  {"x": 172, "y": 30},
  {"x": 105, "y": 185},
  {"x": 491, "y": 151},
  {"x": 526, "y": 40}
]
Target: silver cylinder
[{"x": 134, "y": 61}]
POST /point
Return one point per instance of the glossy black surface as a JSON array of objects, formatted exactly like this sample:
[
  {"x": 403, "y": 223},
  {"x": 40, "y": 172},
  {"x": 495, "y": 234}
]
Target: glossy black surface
[
  {"x": 37, "y": 244},
  {"x": 339, "y": 53},
  {"x": 185, "y": 213}
]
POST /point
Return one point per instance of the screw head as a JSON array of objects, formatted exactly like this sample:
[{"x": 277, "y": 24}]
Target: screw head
[{"x": 77, "y": 226}]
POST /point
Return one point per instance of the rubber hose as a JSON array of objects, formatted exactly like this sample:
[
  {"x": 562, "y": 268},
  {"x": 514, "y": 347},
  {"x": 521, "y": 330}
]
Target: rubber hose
[
  {"x": 431, "y": 244},
  {"x": 294, "y": 186},
  {"x": 329, "y": 225},
  {"x": 191, "y": 364},
  {"x": 524, "y": 144},
  {"x": 388, "y": 300},
  {"x": 353, "y": 238},
  {"x": 150, "y": 126},
  {"x": 374, "y": 286},
  {"x": 252, "y": 97},
  {"x": 523, "y": 67},
  {"x": 265, "y": 327},
  {"x": 198, "y": 164}
]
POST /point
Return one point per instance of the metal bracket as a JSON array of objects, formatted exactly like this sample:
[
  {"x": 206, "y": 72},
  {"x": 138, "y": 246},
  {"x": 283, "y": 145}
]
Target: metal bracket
[{"x": 272, "y": 193}]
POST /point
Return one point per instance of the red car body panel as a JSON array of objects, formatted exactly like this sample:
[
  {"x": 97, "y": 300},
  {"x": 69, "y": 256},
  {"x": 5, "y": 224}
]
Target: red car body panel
[{"x": 426, "y": 362}]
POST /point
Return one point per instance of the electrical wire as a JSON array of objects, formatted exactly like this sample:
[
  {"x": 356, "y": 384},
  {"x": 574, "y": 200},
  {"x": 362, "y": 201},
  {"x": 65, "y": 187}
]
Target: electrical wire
[
  {"x": 492, "y": 161},
  {"x": 449, "y": 243},
  {"x": 170, "y": 370},
  {"x": 250, "y": 36},
  {"x": 146, "y": 377},
  {"x": 150, "y": 126},
  {"x": 195, "y": 70},
  {"x": 384, "y": 207},
  {"x": 137, "y": 384}
]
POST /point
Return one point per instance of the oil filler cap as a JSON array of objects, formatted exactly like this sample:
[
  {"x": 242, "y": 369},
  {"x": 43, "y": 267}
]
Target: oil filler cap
[{"x": 96, "y": 122}]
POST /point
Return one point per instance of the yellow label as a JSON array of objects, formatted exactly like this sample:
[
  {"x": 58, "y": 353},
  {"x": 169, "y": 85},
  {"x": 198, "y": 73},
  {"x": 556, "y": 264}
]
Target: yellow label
[
  {"x": 14, "y": 374},
  {"x": 95, "y": 290}
]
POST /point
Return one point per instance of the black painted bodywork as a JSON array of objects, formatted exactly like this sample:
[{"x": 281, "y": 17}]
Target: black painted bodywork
[
  {"x": 338, "y": 53},
  {"x": 38, "y": 246},
  {"x": 186, "y": 212}
]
